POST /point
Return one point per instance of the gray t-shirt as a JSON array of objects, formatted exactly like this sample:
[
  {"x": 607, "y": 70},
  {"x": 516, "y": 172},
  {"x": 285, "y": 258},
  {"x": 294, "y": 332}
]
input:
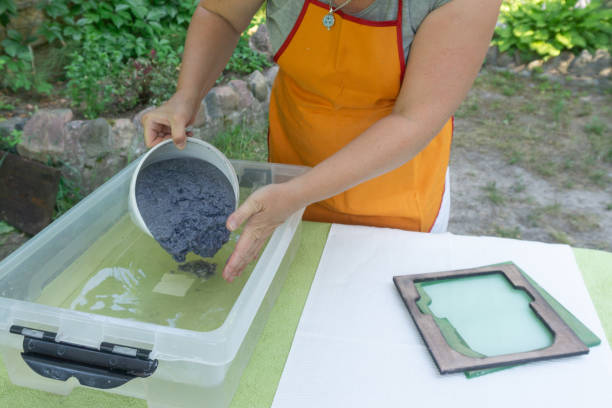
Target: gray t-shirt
[{"x": 282, "y": 15}]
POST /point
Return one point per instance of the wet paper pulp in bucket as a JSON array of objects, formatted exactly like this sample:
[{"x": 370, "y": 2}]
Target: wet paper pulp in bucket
[{"x": 185, "y": 204}]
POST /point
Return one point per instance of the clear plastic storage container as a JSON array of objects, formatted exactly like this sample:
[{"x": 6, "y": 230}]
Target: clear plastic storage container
[{"x": 53, "y": 338}]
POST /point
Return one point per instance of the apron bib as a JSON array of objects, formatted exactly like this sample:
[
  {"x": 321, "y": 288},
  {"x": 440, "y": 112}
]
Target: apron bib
[{"x": 334, "y": 84}]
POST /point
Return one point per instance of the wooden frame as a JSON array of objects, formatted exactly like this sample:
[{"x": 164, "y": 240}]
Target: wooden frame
[{"x": 566, "y": 343}]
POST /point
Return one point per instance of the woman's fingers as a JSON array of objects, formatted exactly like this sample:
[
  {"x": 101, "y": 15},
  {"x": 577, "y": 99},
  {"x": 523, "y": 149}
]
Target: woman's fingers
[
  {"x": 247, "y": 249},
  {"x": 156, "y": 128},
  {"x": 249, "y": 208},
  {"x": 263, "y": 211},
  {"x": 177, "y": 125},
  {"x": 250, "y": 240},
  {"x": 167, "y": 121}
]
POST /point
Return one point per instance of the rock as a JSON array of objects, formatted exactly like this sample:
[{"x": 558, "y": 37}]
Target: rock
[
  {"x": 270, "y": 75},
  {"x": 535, "y": 64},
  {"x": 491, "y": 57},
  {"x": 137, "y": 148},
  {"x": 246, "y": 100},
  {"x": 14, "y": 123},
  {"x": 580, "y": 64},
  {"x": 87, "y": 142},
  {"x": 96, "y": 138},
  {"x": 524, "y": 73},
  {"x": 504, "y": 59},
  {"x": 202, "y": 116},
  {"x": 603, "y": 63},
  {"x": 260, "y": 40},
  {"x": 95, "y": 151},
  {"x": 221, "y": 99},
  {"x": 43, "y": 134},
  {"x": 8, "y": 141},
  {"x": 559, "y": 65},
  {"x": 258, "y": 85},
  {"x": 73, "y": 157},
  {"x": 137, "y": 119},
  {"x": 27, "y": 193},
  {"x": 105, "y": 168},
  {"x": 587, "y": 64},
  {"x": 123, "y": 132},
  {"x": 233, "y": 119}
]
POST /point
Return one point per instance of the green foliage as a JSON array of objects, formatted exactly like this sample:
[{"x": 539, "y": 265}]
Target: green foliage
[
  {"x": 243, "y": 142},
  {"x": 595, "y": 126},
  {"x": 493, "y": 193},
  {"x": 545, "y": 28},
  {"x": 68, "y": 195},
  {"x": 245, "y": 60},
  {"x": 123, "y": 46},
  {"x": 115, "y": 55},
  {"x": 95, "y": 60},
  {"x": 5, "y": 228},
  {"x": 17, "y": 70},
  {"x": 8, "y": 9},
  {"x": 140, "y": 21},
  {"x": 10, "y": 141}
]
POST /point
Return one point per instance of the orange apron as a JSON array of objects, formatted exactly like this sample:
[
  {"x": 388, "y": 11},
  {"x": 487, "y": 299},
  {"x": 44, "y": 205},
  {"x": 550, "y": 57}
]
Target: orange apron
[{"x": 334, "y": 84}]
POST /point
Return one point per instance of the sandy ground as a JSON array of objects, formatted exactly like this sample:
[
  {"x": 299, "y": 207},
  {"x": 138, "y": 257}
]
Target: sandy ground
[
  {"x": 532, "y": 208},
  {"x": 532, "y": 159}
]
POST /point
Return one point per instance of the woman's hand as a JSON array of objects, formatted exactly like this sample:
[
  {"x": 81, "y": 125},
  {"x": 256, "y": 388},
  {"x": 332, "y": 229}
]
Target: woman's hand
[
  {"x": 263, "y": 211},
  {"x": 170, "y": 121}
]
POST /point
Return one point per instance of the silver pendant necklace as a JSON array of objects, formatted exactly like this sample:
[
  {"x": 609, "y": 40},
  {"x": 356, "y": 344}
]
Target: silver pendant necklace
[{"x": 329, "y": 20}]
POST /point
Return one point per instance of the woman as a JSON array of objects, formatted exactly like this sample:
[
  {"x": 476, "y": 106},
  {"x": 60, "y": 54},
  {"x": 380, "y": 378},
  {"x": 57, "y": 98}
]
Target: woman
[{"x": 364, "y": 95}]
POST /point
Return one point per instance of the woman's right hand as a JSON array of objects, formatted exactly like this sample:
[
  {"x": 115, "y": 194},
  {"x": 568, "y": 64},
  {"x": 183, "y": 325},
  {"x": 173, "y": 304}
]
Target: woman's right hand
[{"x": 170, "y": 121}]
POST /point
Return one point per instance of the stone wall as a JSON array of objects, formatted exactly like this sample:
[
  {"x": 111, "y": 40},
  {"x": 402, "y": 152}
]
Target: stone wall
[
  {"x": 588, "y": 68},
  {"x": 89, "y": 152}
]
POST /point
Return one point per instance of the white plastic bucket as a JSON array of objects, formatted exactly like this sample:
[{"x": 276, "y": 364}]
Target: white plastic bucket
[{"x": 195, "y": 148}]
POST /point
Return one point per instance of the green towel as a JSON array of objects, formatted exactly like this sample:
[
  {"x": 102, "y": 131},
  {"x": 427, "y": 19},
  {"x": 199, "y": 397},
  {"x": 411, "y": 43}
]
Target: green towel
[{"x": 262, "y": 375}]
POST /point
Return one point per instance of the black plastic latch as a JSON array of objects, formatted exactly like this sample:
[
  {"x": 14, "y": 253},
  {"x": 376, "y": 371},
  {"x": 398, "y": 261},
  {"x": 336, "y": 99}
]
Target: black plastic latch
[{"x": 109, "y": 366}]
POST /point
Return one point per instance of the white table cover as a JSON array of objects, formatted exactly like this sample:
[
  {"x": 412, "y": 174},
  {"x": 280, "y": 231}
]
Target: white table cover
[{"x": 356, "y": 344}]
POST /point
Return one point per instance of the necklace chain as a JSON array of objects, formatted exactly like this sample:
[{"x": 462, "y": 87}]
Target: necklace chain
[{"x": 333, "y": 10}]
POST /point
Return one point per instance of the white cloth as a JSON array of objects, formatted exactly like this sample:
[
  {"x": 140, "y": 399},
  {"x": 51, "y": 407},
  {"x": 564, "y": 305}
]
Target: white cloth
[
  {"x": 356, "y": 345},
  {"x": 441, "y": 222}
]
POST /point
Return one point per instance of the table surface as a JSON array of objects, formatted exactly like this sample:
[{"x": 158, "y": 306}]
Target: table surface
[{"x": 260, "y": 379}]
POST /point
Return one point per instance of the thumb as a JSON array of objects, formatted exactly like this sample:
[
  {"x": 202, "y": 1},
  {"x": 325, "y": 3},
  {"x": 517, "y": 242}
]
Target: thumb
[
  {"x": 178, "y": 133},
  {"x": 250, "y": 207}
]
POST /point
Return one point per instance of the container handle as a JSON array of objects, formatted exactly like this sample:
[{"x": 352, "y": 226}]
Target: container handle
[
  {"x": 62, "y": 371},
  {"x": 109, "y": 366}
]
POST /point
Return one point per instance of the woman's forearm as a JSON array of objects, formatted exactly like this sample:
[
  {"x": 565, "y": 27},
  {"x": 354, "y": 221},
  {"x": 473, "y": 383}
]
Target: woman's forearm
[
  {"x": 386, "y": 145},
  {"x": 210, "y": 42}
]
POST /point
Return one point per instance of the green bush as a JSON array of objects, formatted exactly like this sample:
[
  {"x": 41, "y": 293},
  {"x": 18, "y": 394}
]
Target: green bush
[
  {"x": 17, "y": 69},
  {"x": 8, "y": 9},
  {"x": 140, "y": 21},
  {"x": 10, "y": 140},
  {"x": 545, "y": 28},
  {"x": 120, "y": 53},
  {"x": 245, "y": 60},
  {"x": 122, "y": 47}
]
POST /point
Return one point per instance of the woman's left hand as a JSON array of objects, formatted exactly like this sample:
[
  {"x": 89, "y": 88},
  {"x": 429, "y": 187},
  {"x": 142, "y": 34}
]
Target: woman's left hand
[{"x": 263, "y": 211}]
